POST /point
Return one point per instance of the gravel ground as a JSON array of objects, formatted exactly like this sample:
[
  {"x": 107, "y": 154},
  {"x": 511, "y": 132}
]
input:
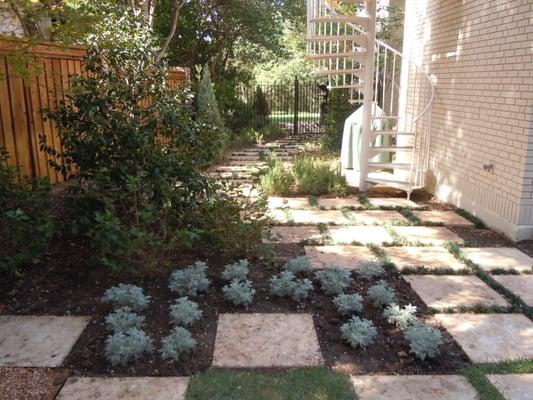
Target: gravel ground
[{"x": 30, "y": 383}]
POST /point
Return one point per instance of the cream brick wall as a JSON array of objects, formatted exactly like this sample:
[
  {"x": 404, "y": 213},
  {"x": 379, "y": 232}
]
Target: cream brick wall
[{"x": 481, "y": 55}]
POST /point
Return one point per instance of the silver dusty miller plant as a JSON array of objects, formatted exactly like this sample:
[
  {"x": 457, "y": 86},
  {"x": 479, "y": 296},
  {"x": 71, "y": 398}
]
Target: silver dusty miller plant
[
  {"x": 238, "y": 270},
  {"x": 191, "y": 280},
  {"x": 335, "y": 280},
  {"x": 286, "y": 285},
  {"x": 179, "y": 341},
  {"x": 424, "y": 340},
  {"x": 184, "y": 312},
  {"x": 298, "y": 264},
  {"x": 348, "y": 303},
  {"x": 370, "y": 270},
  {"x": 239, "y": 292},
  {"x": 126, "y": 296},
  {"x": 358, "y": 332},
  {"x": 382, "y": 294},
  {"x": 126, "y": 346},
  {"x": 123, "y": 318},
  {"x": 403, "y": 318}
]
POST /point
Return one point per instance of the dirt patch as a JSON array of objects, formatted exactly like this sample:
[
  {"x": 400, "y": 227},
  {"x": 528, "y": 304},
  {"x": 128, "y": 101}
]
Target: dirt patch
[{"x": 31, "y": 383}]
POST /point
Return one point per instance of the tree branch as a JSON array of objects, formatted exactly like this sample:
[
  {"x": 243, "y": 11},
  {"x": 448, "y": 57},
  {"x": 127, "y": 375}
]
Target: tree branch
[{"x": 177, "y": 5}]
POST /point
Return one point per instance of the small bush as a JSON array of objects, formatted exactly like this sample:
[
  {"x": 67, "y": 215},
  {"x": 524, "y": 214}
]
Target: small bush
[
  {"x": 126, "y": 346},
  {"x": 126, "y": 296},
  {"x": 335, "y": 280},
  {"x": 348, "y": 303},
  {"x": 238, "y": 270},
  {"x": 382, "y": 294},
  {"x": 185, "y": 312},
  {"x": 358, "y": 332},
  {"x": 286, "y": 285},
  {"x": 276, "y": 180},
  {"x": 123, "y": 318},
  {"x": 370, "y": 270},
  {"x": 338, "y": 109},
  {"x": 179, "y": 341},
  {"x": 239, "y": 292},
  {"x": 298, "y": 264},
  {"x": 317, "y": 176},
  {"x": 402, "y": 318},
  {"x": 302, "y": 289},
  {"x": 424, "y": 340},
  {"x": 191, "y": 280}
]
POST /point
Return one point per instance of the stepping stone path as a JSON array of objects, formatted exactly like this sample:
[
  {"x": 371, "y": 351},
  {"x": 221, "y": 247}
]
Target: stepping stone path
[
  {"x": 167, "y": 388},
  {"x": 294, "y": 234},
  {"x": 491, "y": 337},
  {"x": 308, "y": 217},
  {"x": 337, "y": 203},
  {"x": 391, "y": 202},
  {"x": 360, "y": 234},
  {"x": 266, "y": 341},
  {"x": 442, "y": 217},
  {"x": 521, "y": 285},
  {"x": 376, "y": 217},
  {"x": 514, "y": 386},
  {"x": 505, "y": 258},
  {"x": 428, "y": 257},
  {"x": 38, "y": 341},
  {"x": 349, "y": 257},
  {"x": 295, "y": 203},
  {"x": 428, "y": 235},
  {"x": 410, "y": 387},
  {"x": 443, "y": 292}
]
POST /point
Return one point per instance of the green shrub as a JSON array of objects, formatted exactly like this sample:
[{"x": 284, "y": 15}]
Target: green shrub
[
  {"x": 239, "y": 292},
  {"x": 206, "y": 100},
  {"x": 190, "y": 281},
  {"x": 348, "y": 303},
  {"x": 238, "y": 271},
  {"x": 122, "y": 319},
  {"x": 260, "y": 106},
  {"x": 334, "y": 280},
  {"x": 276, "y": 180},
  {"x": 286, "y": 285},
  {"x": 125, "y": 346},
  {"x": 403, "y": 318},
  {"x": 382, "y": 294},
  {"x": 370, "y": 270},
  {"x": 424, "y": 340},
  {"x": 179, "y": 341},
  {"x": 358, "y": 332},
  {"x": 317, "y": 176},
  {"x": 338, "y": 109},
  {"x": 184, "y": 312},
  {"x": 298, "y": 264},
  {"x": 126, "y": 296}
]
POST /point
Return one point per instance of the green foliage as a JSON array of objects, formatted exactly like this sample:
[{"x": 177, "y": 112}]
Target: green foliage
[
  {"x": 276, "y": 180},
  {"x": 191, "y": 280},
  {"x": 286, "y": 285},
  {"x": 334, "y": 280},
  {"x": 403, "y": 318},
  {"x": 126, "y": 346},
  {"x": 123, "y": 318},
  {"x": 317, "y": 176},
  {"x": 424, "y": 340},
  {"x": 239, "y": 292},
  {"x": 238, "y": 271},
  {"x": 260, "y": 104},
  {"x": 184, "y": 312},
  {"x": 348, "y": 303},
  {"x": 382, "y": 294},
  {"x": 126, "y": 296},
  {"x": 25, "y": 223},
  {"x": 338, "y": 109},
  {"x": 207, "y": 101},
  {"x": 370, "y": 270},
  {"x": 298, "y": 264},
  {"x": 179, "y": 341},
  {"x": 358, "y": 332}
]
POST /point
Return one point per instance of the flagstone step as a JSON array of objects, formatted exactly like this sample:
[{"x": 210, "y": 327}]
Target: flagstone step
[
  {"x": 504, "y": 258},
  {"x": 428, "y": 235},
  {"x": 520, "y": 285},
  {"x": 392, "y": 202},
  {"x": 348, "y": 257},
  {"x": 294, "y": 235},
  {"x": 295, "y": 203},
  {"x": 442, "y": 217},
  {"x": 428, "y": 257},
  {"x": 513, "y": 386},
  {"x": 359, "y": 234},
  {"x": 374, "y": 217}
]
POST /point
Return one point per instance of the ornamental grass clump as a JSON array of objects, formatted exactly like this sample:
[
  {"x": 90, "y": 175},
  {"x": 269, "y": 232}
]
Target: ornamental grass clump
[
  {"x": 403, "y": 318},
  {"x": 126, "y": 346},
  {"x": 239, "y": 292},
  {"x": 191, "y": 280},
  {"x": 335, "y": 280},
  {"x": 238, "y": 271},
  {"x": 348, "y": 303},
  {"x": 424, "y": 340},
  {"x": 122, "y": 319},
  {"x": 184, "y": 312},
  {"x": 358, "y": 332},
  {"x": 179, "y": 341},
  {"x": 370, "y": 270},
  {"x": 126, "y": 296},
  {"x": 286, "y": 285},
  {"x": 382, "y": 294},
  {"x": 298, "y": 264}
]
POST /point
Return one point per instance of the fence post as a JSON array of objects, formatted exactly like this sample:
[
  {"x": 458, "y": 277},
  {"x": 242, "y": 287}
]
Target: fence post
[{"x": 296, "y": 105}]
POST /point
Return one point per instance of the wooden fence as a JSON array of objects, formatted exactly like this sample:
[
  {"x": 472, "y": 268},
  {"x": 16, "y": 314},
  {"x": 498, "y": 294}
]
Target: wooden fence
[{"x": 21, "y": 102}]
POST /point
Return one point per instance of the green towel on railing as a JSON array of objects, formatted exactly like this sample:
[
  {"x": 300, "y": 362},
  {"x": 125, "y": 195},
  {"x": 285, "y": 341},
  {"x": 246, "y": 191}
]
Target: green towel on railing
[{"x": 351, "y": 138}]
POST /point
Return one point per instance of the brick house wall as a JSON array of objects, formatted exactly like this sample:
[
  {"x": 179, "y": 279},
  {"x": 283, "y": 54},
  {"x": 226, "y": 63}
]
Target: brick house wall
[{"x": 480, "y": 53}]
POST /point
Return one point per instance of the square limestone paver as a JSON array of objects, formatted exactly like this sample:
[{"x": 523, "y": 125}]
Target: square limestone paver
[
  {"x": 360, "y": 234},
  {"x": 348, "y": 257},
  {"x": 294, "y": 234},
  {"x": 288, "y": 202},
  {"x": 445, "y": 291},
  {"x": 514, "y": 386},
  {"x": 429, "y": 235},
  {"x": 521, "y": 285},
  {"x": 507, "y": 258},
  {"x": 143, "y": 388},
  {"x": 310, "y": 217},
  {"x": 266, "y": 341},
  {"x": 411, "y": 387},
  {"x": 338, "y": 202},
  {"x": 428, "y": 257},
  {"x": 38, "y": 341},
  {"x": 442, "y": 217},
  {"x": 491, "y": 337},
  {"x": 389, "y": 202},
  {"x": 373, "y": 217}
]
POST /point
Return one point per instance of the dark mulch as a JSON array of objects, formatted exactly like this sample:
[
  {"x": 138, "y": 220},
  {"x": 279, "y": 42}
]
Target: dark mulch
[{"x": 66, "y": 283}]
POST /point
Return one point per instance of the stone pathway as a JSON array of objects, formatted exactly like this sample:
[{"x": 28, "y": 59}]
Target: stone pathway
[
  {"x": 521, "y": 285},
  {"x": 428, "y": 235},
  {"x": 501, "y": 258},
  {"x": 348, "y": 257},
  {"x": 442, "y": 217},
  {"x": 433, "y": 258},
  {"x": 514, "y": 386}
]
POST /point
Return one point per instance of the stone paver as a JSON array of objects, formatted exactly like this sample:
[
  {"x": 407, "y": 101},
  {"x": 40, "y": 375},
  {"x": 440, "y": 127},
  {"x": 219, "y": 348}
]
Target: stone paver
[
  {"x": 371, "y": 217},
  {"x": 360, "y": 234},
  {"x": 337, "y": 203},
  {"x": 428, "y": 257},
  {"x": 429, "y": 235},
  {"x": 143, "y": 388},
  {"x": 507, "y": 258},
  {"x": 294, "y": 234},
  {"x": 38, "y": 341},
  {"x": 491, "y": 337},
  {"x": 348, "y": 257},
  {"x": 514, "y": 386},
  {"x": 266, "y": 341},
  {"x": 288, "y": 202},
  {"x": 521, "y": 285},
  {"x": 310, "y": 217},
  {"x": 411, "y": 387},
  {"x": 442, "y": 291},
  {"x": 442, "y": 217},
  {"x": 388, "y": 202}
]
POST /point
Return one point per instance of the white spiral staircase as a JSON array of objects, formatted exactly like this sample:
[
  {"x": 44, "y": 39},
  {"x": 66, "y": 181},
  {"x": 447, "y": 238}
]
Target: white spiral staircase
[{"x": 342, "y": 42}]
